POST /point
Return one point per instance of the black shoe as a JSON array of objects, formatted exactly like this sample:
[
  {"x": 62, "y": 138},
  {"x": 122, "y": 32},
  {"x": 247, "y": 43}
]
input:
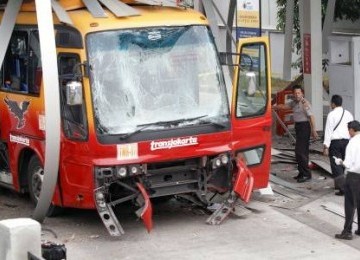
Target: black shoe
[
  {"x": 345, "y": 236},
  {"x": 303, "y": 179},
  {"x": 357, "y": 232},
  {"x": 297, "y": 177},
  {"x": 339, "y": 193}
]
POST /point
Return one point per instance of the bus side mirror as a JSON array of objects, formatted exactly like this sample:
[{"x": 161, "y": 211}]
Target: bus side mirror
[{"x": 74, "y": 95}]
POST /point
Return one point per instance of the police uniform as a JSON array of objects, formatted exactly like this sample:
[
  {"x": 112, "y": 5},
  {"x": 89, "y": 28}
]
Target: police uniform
[{"x": 301, "y": 113}]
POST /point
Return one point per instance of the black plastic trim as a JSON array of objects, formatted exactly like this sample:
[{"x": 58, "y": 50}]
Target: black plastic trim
[{"x": 163, "y": 134}]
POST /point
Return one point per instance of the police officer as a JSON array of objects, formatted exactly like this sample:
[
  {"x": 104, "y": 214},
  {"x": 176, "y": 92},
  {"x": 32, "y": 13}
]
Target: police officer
[{"x": 304, "y": 128}]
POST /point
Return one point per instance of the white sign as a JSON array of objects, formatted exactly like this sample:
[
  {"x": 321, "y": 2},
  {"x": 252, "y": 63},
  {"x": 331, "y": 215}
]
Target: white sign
[
  {"x": 19, "y": 140},
  {"x": 127, "y": 151},
  {"x": 42, "y": 122}
]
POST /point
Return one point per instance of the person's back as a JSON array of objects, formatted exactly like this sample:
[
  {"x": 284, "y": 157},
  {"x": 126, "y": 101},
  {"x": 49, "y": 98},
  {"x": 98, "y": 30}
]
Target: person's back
[
  {"x": 352, "y": 181},
  {"x": 336, "y": 138},
  {"x": 352, "y": 162}
]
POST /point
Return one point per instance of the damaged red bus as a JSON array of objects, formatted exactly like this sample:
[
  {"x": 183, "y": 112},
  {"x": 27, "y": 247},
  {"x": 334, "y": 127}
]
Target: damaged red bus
[{"x": 144, "y": 113}]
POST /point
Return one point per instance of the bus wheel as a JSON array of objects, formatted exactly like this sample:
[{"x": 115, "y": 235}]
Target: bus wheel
[{"x": 35, "y": 182}]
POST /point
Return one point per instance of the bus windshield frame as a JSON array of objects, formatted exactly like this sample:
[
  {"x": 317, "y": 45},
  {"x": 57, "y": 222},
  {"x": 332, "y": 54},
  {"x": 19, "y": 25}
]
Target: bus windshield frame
[{"x": 142, "y": 76}]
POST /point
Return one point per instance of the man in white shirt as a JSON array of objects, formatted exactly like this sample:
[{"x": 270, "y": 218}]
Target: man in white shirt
[
  {"x": 352, "y": 181},
  {"x": 336, "y": 138}
]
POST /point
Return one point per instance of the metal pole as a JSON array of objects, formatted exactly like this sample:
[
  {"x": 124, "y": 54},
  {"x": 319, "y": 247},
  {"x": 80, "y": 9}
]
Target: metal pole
[
  {"x": 7, "y": 25},
  {"x": 52, "y": 106},
  {"x": 284, "y": 127}
]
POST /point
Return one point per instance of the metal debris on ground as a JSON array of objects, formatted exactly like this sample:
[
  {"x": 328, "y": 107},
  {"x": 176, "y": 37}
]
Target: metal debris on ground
[
  {"x": 323, "y": 165},
  {"x": 337, "y": 210},
  {"x": 279, "y": 156}
]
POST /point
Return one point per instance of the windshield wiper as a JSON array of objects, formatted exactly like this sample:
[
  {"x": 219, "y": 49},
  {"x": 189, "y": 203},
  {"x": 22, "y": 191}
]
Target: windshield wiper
[
  {"x": 174, "y": 122},
  {"x": 159, "y": 123},
  {"x": 213, "y": 122}
]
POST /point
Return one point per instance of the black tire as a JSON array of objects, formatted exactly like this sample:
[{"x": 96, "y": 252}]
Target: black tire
[{"x": 35, "y": 181}]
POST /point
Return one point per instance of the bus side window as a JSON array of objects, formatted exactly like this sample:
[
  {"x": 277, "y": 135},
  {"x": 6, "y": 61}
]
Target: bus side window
[
  {"x": 35, "y": 66},
  {"x": 73, "y": 116},
  {"x": 21, "y": 63},
  {"x": 18, "y": 61}
]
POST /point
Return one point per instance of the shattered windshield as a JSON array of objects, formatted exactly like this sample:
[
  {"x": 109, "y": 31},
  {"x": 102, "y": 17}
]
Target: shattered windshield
[{"x": 148, "y": 75}]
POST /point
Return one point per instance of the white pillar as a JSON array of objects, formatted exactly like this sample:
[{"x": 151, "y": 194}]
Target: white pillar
[
  {"x": 288, "y": 39},
  {"x": 18, "y": 237},
  {"x": 311, "y": 39},
  {"x": 328, "y": 24}
]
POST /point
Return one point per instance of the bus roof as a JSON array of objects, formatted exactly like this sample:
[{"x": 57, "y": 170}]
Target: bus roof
[
  {"x": 68, "y": 4},
  {"x": 151, "y": 16}
]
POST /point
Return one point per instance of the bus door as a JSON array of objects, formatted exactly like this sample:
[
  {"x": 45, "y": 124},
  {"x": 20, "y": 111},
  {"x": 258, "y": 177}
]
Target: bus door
[{"x": 251, "y": 108}]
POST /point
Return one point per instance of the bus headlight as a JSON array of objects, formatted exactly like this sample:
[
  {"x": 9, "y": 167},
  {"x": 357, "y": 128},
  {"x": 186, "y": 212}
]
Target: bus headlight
[
  {"x": 134, "y": 169},
  {"x": 224, "y": 159},
  {"x": 121, "y": 172},
  {"x": 216, "y": 163},
  {"x": 221, "y": 160}
]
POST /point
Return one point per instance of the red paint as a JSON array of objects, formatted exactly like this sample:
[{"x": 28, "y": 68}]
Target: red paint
[
  {"x": 244, "y": 182},
  {"x": 146, "y": 214},
  {"x": 78, "y": 159},
  {"x": 307, "y": 53}
]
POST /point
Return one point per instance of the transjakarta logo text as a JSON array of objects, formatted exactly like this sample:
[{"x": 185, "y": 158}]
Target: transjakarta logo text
[{"x": 173, "y": 143}]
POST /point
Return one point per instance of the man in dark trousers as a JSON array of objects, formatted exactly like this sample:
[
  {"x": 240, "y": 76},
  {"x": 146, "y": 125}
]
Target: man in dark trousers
[
  {"x": 304, "y": 128},
  {"x": 336, "y": 137},
  {"x": 352, "y": 181}
]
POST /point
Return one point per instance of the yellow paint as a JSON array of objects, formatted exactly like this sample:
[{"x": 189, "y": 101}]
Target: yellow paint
[
  {"x": 66, "y": 4},
  {"x": 250, "y": 19}
]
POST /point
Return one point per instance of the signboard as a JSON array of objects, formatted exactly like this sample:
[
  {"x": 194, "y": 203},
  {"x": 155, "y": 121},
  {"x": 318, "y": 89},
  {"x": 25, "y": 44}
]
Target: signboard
[
  {"x": 248, "y": 18},
  {"x": 307, "y": 54}
]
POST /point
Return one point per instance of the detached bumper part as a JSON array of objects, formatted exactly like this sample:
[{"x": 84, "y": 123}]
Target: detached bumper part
[
  {"x": 244, "y": 182},
  {"x": 107, "y": 215},
  {"x": 145, "y": 212},
  {"x": 243, "y": 186},
  {"x": 223, "y": 211}
]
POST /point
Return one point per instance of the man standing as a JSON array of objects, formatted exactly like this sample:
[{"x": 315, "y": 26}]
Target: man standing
[
  {"x": 352, "y": 181},
  {"x": 336, "y": 138},
  {"x": 304, "y": 127}
]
